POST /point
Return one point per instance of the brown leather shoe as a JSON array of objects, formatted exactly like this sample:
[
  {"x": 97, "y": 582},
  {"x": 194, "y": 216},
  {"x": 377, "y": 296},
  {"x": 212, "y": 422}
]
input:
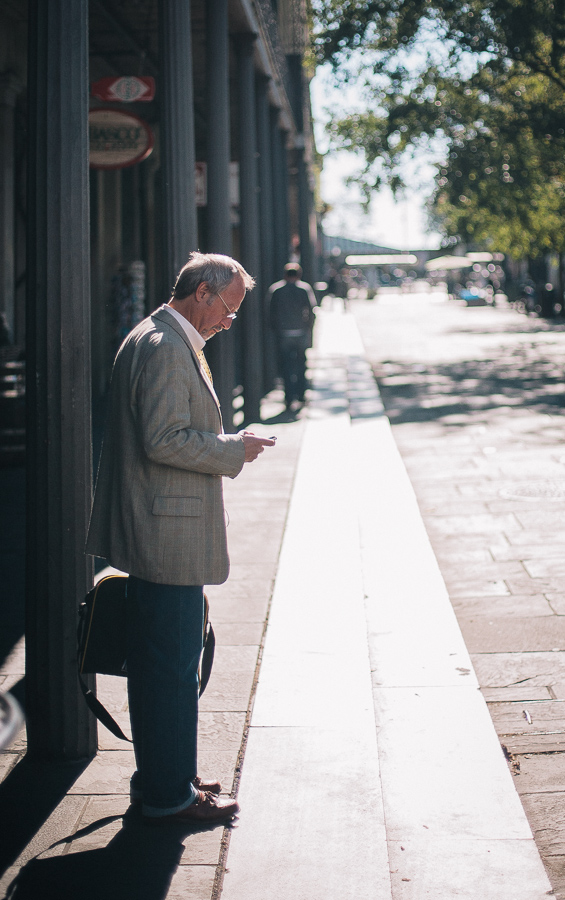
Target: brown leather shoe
[
  {"x": 213, "y": 786},
  {"x": 206, "y": 809}
]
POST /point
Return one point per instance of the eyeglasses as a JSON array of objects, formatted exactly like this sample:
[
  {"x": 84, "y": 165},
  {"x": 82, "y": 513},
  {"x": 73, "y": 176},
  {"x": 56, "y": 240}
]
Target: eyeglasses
[{"x": 231, "y": 315}]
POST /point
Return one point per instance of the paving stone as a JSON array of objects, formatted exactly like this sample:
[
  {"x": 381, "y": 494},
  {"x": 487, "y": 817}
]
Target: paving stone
[
  {"x": 203, "y": 847},
  {"x": 244, "y": 543},
  {"x": 227, "y": 691},
  {"x": 555, "y": 866},
  {"x": 235, "y": 660},
  {"x": 107, "y": 740},
  {"x": 234, "y": 633},
  {"x": 7, "y": 762},
  {"x": 543, "y": 537},
  {"x": 218, "y": 764},
  {"x": 462, "y": 556},
  {"x": 505, "y": 634},
  {"x": 473, "y": 587},
  {"x": 558, "y": 691},
  {"x": 540, "y": 772},
  {"x": 518, "y": 744},
  {"x": 445, "y": 544},
  {"x": 191, "y": 883},
  {"x": 546, "y": 814},
  {"x": 479, "y": 524},
  {"x": 508, "y": 669},
  {"x": 461, "y": 507},
  {"x": 247, "y": 607},
  {"x": 519, "y": 693},
  {"x": 482, "y": 573},
  {"x": 557, "y": 602},
  {"x": 108, "y": 773},
  {"x": 500, "y": 606},
  {"x": 527, "y": 551},
  {"x": 48, "y": 841},
  {"x": 220, "y": 730},
  {"x": 245, "y": 573},
  {"x": 105, "y": 812},
  {"x": 520, "y": 506},
  {"x": 545, "y": 568},
  {"x": 525, "y": 584},
  {"x": 14, "y": 664},
  {"x": 112, "y": 692},
  {"x": 545, "y": 715},
  {"x": 542, "y": 518},
  {"x": 19, "y": 742}
]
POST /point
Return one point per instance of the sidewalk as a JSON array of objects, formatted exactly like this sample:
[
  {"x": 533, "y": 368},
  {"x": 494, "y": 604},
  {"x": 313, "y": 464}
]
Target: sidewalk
[
  {"x": 364, "y": 755},
  {"x": 384, "y": 774}
]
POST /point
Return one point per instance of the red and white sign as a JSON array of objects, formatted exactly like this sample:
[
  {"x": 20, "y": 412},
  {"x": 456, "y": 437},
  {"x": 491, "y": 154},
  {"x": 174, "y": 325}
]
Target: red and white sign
[
  {"x": 127, "y": 89},
  {"x": 118, "y": 139}
]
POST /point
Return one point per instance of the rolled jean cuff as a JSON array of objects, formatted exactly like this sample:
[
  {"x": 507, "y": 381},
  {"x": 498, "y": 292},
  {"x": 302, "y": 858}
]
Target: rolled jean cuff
[{"x": 155, "y": 812}]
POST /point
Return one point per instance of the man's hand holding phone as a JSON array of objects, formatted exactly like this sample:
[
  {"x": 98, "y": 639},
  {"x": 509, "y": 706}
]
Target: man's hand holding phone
[{"x": 255, "y": 445}]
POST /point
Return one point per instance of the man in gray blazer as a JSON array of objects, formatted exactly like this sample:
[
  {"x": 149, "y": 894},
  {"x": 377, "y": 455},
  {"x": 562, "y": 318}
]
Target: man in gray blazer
[{"x": 158, "y": 514}]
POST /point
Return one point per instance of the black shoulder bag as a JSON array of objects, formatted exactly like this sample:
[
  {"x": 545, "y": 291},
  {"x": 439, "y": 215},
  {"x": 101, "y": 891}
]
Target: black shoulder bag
[{"x": 101, "y": 637}]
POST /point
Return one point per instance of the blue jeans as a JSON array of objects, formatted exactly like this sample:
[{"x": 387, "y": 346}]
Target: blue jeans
[{"x": 165, "y": 624}]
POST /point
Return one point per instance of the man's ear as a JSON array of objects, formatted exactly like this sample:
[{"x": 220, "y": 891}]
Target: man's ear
[{"x": 202, "y": 291}]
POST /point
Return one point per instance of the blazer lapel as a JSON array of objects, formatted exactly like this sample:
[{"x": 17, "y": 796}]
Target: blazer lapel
[{"x": 163, "y": 316}]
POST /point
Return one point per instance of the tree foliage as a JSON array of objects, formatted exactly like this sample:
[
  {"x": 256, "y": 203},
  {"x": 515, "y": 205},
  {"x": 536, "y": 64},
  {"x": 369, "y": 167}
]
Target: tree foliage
[{"x": 488, "y": 83}]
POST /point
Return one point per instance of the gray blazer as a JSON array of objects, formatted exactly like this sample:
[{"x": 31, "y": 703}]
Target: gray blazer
[{"x": 158, "y": 510}]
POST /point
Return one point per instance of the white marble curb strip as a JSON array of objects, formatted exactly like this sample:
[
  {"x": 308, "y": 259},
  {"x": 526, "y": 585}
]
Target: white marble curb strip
[{"x": 312, "y": 825}]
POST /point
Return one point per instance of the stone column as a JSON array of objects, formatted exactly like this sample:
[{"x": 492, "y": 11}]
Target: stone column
[
  {"x": 266, "y": 220},
  {"x": 9, "y": 89},
  {"x": 249, "y": 228},
  {"x": 222, "y": 351},
  {"x": 265, "y": 153},
  {"x": 281, "y": 238},
  {"x": 297, "y": 94},
  {"x": 177, "y": 136},
  {"x": 304, "y": 212},
  {"x": 59, "y": 469}
]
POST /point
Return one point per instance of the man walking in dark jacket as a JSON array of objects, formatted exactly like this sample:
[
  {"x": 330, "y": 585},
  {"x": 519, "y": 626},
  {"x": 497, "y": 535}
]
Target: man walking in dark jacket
[{"x": 291, "y": 311}]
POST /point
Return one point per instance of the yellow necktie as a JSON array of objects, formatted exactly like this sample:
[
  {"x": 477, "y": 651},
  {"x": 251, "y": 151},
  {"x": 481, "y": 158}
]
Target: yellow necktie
[{"x": 204, "y": 364}]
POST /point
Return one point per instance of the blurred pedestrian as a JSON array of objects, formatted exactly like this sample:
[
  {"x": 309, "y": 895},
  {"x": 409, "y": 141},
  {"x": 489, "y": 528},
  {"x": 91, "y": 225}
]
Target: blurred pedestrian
[{"x": 291, "y": 312}]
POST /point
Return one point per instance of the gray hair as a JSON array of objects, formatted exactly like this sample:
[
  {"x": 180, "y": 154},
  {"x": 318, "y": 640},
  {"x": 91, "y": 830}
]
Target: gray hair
[{"x": 216, "y": 270}]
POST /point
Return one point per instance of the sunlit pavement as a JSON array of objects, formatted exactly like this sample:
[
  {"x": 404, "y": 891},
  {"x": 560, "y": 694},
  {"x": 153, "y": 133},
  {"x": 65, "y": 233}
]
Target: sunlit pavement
[
  {"x": 352, "y": 727},
  {"x": 372, "y": 767},
  {"x": 476, "y": 398}
]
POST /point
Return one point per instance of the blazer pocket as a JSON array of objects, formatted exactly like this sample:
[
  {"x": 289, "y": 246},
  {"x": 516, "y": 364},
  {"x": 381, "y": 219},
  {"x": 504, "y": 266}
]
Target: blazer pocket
[{"x": 177, "y": 506}]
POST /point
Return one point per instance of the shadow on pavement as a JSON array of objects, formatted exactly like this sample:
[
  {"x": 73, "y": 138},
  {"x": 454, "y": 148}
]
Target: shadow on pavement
[
  {"x": 137, "y": 864},
  {"x": 28, "y": 796},
  {"x": 519, "y": 377}
]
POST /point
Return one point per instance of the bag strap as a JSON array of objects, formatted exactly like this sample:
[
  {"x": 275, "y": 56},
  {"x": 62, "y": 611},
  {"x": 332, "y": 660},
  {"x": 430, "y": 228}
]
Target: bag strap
[
  {"x": 207, "y": 658},
  {"x": 101, "y": 712}
]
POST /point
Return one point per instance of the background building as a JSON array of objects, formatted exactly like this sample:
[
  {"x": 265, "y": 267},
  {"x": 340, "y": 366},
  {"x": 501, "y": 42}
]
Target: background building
[{"x": 131, "y": 133}]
